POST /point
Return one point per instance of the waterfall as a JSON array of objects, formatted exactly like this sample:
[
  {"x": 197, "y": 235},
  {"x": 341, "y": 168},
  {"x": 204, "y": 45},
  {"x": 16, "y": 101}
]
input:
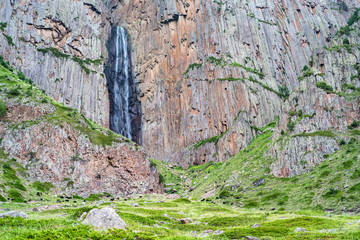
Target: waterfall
[{"x": 125, "y": 113}]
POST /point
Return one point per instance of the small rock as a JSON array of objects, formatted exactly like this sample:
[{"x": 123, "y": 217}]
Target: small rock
[
  {"x": 346, "y": 186},
  {"x": 206, "y": 233},
  {"x": 218, "y": 232},
  {"x": 112, "y": 205},
  {"x": 165, "y": 215},
  {"x": 272, "y": 209},
  {"x": 256, "y": 225},
  {"x": 104, "y": 218},
  {"x": 185, "y": 220},
  {"x": 193, "y": 233},
  {"x": 156, "y": 225},
  {"x": 134, "y": 204},
  {"x": 299, "y": 229},
  {"x": 13, "y": 214},
  {"x": 259, "y": 182},
  {"x": 181, "y": 213},
  {"x": 251, "y": 238}
]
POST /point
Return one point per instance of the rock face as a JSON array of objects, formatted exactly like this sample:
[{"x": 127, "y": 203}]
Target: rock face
[
  {"x": 103, "y": 219},
  {"x": 209, "y": 73},
  {"x": 64, "y": 155}
]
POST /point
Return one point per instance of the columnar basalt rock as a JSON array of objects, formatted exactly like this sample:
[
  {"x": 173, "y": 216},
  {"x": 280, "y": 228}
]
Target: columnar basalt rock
[{"x": 78, "y": 29}]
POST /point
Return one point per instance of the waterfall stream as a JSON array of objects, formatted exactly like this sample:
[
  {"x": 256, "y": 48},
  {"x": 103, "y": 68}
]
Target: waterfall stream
[{"x": 125, "y": 116}]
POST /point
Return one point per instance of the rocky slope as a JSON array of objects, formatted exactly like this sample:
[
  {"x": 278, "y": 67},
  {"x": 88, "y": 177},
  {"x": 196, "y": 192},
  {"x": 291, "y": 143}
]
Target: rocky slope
[
  {"x": 58, "y": 145},
  {"x": 209, "y": 73}
]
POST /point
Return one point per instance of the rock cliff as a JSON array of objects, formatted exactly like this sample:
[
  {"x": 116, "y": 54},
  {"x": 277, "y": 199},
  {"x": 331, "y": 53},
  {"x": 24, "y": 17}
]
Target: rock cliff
[
  {"x": 56, "y": 144},
  {"x": 209, "y": 73}
]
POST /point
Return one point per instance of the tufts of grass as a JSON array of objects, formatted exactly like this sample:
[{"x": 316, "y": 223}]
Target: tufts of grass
[{"x": 42, "y": 186}]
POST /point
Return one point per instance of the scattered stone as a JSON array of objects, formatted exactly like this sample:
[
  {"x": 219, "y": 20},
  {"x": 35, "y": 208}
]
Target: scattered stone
[
  {"x": 134, "y": 204},
  {"x": 104, "y": 219},
  {"x": 112, "y": 205},
  {"x": 252, "y": 238},
  {"x": 256, "y": 225},
  {"x": 299, "y": 229},
  {"x": 206, "y": 233},
  {"x": 181, "y": 213},
  {"x": 218, "y": 232},
  {"x": 173, "y": 196},
  {"x": 167, "y": 189},
  {"x": 13, "y": 214},
  {"x": 165, "y": 215},
  {"x": 193, "y": 233},
  {"x": 259, "y": 182},
  {"x": 185, "y": 220},
  {"x": 156, "y": 225},
  {"x": 272, "y": 209}
]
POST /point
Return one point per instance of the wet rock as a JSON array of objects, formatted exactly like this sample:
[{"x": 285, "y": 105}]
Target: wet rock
[
  {"x": 13, "y": 214},
  {"x": 104, "y": 219}
]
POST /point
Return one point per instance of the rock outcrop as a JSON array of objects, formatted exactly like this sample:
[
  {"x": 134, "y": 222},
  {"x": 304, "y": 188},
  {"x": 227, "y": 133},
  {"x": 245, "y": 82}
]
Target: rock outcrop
[{"x": 58, "y": 145}]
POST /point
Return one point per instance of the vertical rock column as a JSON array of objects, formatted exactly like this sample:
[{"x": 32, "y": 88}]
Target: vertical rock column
[{"x": 125, "y": 110}]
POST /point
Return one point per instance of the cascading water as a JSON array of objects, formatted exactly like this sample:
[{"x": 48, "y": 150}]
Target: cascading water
[{"x": 125, "y": 111}]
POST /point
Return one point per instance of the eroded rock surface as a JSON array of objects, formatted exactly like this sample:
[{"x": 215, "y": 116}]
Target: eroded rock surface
[{"x": 103, "y": 219}]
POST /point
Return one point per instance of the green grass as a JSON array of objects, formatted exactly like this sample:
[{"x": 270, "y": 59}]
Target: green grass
[{"x": 149, "y": 222}]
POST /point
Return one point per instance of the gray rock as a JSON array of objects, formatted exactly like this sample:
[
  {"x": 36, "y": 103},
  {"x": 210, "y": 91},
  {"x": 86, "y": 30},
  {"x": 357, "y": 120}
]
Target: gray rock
[
  {"x": 299, "y": 229},
  {"x": 206, "y": 233},
  {"x": 104, "y": 219},
  {"x": 255, "y": 225},
  {"x": 252, "y": 238},
  {"x": 218, "y": 232},
  {"x": 134, "y": 204},
  {"x": 259, "y": 182},
  {"x": 13, "y": 214}
]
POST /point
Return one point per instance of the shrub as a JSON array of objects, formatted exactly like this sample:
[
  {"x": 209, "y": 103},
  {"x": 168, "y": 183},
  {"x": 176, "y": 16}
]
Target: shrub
[
  {"x": 324, "y": 86},
  {"x": 15, "y": 195},
  {"x": 3, "y": 109},
  {"x": 354, "y": 124}
]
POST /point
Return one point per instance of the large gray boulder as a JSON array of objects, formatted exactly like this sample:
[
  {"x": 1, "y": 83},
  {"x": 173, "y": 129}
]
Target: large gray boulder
[
  {"x": 13, "y": 214},
  {"x": 103, "y": 219}
]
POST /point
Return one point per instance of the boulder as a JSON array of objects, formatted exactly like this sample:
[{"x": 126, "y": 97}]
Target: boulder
[
  {"x": 103, "y": 219},
  {"x": 13, "y": 214}
]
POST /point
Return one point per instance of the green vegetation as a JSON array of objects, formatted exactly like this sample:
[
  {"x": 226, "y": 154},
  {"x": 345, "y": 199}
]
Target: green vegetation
[
  {"x": 3, "y": 109},
  {"x": 81, "y": 62},
  {"x": 192, "y": 67},
  {"x": 3, "y": 25},
  {"x": 252, "y": 15},
  {"x": 324, "y": 86},
  {"x": 347, "y": 29},
  {"x": 43, "y": 186}
]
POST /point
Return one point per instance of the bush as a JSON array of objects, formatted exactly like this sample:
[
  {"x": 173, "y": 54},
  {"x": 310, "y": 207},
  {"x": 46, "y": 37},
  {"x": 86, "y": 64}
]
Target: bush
[
  {"x": 324, "y": 86},
  {"x": 15, "y": 195},
  {"x": 354, "y": 124},
  {"x": 3, "y": 109}
]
